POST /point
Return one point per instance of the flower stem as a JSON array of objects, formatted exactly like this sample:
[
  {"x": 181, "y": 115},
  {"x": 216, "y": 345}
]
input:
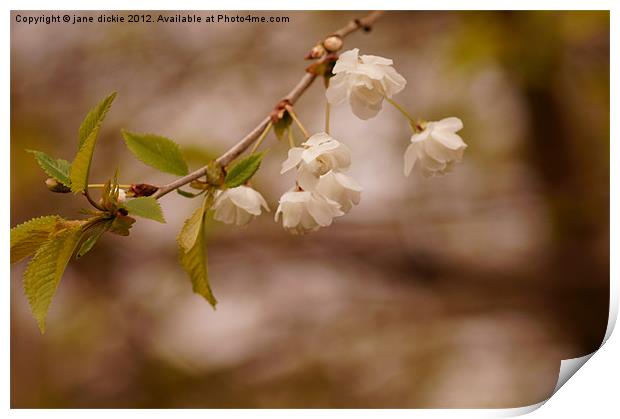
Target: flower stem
[
  {"x": 291, "y": 140},
  {"x": 401, "y": 109},
  {"x": 262, "y": 137},
  {"x": 291, "y": 112},
  {"x": 91, "y": 201}
]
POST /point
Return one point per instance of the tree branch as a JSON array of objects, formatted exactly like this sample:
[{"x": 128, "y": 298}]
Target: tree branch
[{"x": 364, "y": 23}]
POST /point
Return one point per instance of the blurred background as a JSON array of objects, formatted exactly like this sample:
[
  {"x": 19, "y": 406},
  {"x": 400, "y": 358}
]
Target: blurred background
[{"x": 460, "y": 291}]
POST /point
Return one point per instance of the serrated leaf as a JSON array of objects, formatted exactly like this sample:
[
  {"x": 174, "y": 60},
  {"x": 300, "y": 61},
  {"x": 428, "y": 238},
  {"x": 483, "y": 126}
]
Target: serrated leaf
[
  {"x": 280, "y": 127},
  {"x": 46, "y": 268},
  {"x": 94, "y": 118},
  {"x": 80, "y": 167},
  {"x": 191, "y": 229},
  {"x": 243, "y": 170},
  {"x": 95, "y": 234},
  {"x": 156, "y": 151},
  {"x": 145, "y": 207},
  {"x": 88, "y": 132},
  {"x": 27, "y": 237},
  {"x": 56, "y": 168},
  {"x": 194, "y": 259}
]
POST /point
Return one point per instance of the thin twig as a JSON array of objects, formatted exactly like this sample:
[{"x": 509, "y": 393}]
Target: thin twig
[{"x": 364, "y": 23}]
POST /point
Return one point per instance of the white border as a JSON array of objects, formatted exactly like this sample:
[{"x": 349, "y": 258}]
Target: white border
[{"x": 591, "y": 393}]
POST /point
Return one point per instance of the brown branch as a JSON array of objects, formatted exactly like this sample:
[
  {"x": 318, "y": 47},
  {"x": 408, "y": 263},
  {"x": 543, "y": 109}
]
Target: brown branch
[{"x": 364, "y": 23}]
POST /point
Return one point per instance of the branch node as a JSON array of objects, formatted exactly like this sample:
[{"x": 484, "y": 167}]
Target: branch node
[
  {"x": 364, "y": 26},
  {"x": 143, "y": 189},
  {"x": 279, "y": 110}
]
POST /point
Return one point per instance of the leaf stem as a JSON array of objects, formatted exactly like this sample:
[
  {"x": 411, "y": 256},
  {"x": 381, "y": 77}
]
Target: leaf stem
[
  {"x": 262, "y": 137},
  {"x": 291, "y": 112},
  {"x": 401, "y": 109}
]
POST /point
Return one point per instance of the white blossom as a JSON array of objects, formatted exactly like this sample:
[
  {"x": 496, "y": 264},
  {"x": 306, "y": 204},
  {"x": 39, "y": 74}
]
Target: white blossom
[
  {"x": 304, "y": 211},
  {"x": 122, "y": 196},
  {"x": 317, "y": 156},
  {"x": 238, "y": 205},
  {"x": 435, "y": 150},
  {"x": 340, "y": 188},
  {"x": 364, "y": 81}
]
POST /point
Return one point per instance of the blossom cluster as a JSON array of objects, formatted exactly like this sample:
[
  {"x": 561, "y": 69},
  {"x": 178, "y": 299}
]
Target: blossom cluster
[{"x": 323, "y": 190}]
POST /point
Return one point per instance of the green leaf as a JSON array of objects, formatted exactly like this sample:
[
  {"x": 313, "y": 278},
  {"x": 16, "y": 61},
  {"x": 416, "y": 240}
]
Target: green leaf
[
  {"x": 110, "y": 193},
  {"x": 145, "y": 207},
  {"x": 194, "y": 259},
  {"x": 191, "y": 229},
  {"x": 81, "y": 165},
  {"x": 96, "y": 232},
  {"x": 55, "y": 168},
  {"x": 156, "y": 151},
  {"x": 243, "y": 170},
  {"x": 46, "y": 268},
  {"x": 280, "y": 127},
  {"x": 26, "y": 238},
  {"x": 88, "y": 137},
  {"x": 94, "y": 118},
  {"x": 189, "y": 194},
  {"x": 121, "y": 225}
]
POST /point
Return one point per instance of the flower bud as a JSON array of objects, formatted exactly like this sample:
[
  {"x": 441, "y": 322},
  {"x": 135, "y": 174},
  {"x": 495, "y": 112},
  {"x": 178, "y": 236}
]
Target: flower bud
[
  {"x": 317, "y": 51},
  {"x": 55, "y": 186},
  {"x": 333, "y": 43},
  {"x": 142, "y": 189}
]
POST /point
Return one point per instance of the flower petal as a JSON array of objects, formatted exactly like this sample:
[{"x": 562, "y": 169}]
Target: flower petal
[
  {"x": 411, "y": 156},
  {"x": 420, "y": 136},
  {"x": 318, "y": 139},
  {"x": 347, "y": 181},
  {"x": 306, "y": 178},
  {"x": 392, "y": 82},
  {"x": 362, "y": 109},
  {"x": 294, "y": 157},
  {"x": 246, "y": 198},
  {"x": 338, "y": 89},
  {"x": 373, "y": 59},
  {"x": 347, "y": 61},
  {"x": 451, "y": 124},
  {"x": 320, "y": 209},
  {"x": 448, "y": 139}
]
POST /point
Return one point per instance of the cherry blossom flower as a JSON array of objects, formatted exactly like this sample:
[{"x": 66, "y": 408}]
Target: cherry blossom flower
[
  {"x": 238, "y": 205},
  {"x": 436, "y": 149},
  {"x": 304, "y": 211},
  {"x": 317, "y": 156},
  {"x": 364, "y": 81}
]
